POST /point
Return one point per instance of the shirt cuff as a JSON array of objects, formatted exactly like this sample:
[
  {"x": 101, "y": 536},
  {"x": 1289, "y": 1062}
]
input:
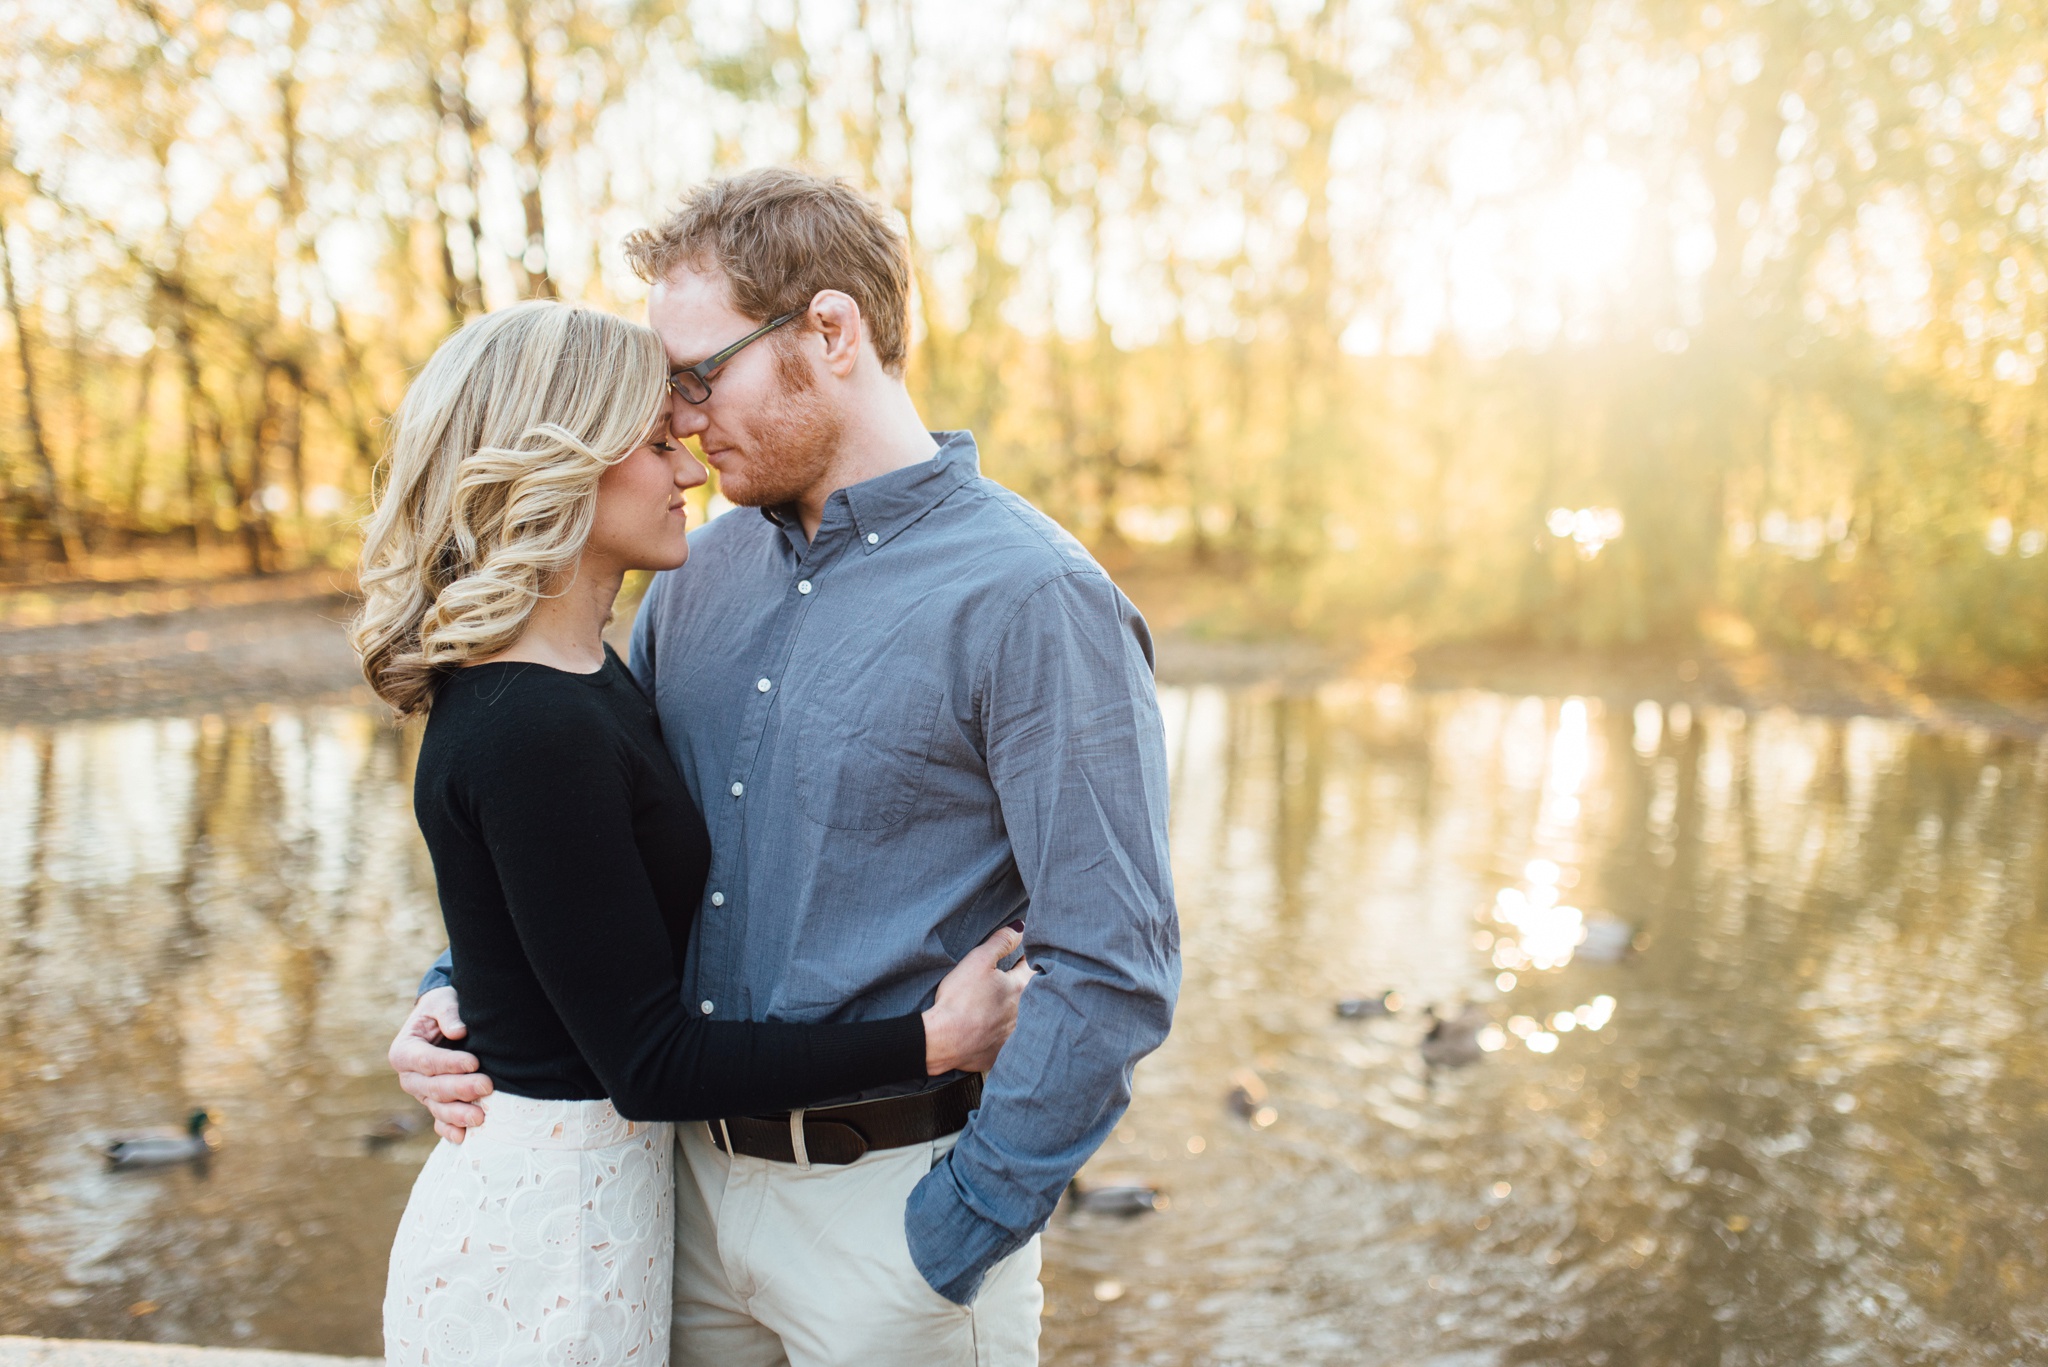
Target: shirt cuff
[
  {"x": 438, "y": 975},
  {"x": 953, "y": 1246}
]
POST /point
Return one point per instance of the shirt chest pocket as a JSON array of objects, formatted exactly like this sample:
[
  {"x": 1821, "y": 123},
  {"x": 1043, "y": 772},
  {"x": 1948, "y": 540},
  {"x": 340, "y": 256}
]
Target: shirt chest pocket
[{"x": 863, "y": 745}]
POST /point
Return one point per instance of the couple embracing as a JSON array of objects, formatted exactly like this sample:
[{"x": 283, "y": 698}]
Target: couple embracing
[{"x": 796, "y": 966}]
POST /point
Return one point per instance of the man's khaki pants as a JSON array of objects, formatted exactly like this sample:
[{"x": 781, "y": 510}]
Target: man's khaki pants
[{"x": 785, "y": 1266}]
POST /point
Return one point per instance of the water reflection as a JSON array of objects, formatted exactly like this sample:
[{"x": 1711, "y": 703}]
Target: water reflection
[
  {"x": 217, "y": 914},
  {"x": 1795, "y": 1116},
  {"x": 1790, "y": 1111}
]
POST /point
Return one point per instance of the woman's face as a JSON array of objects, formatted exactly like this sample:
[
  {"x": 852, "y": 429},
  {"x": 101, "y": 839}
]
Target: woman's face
[{"x": 642, "y": 523}]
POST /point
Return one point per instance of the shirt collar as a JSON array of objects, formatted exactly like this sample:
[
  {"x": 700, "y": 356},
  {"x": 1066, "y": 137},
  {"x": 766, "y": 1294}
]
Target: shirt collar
[{"x": 885, "y": 505}]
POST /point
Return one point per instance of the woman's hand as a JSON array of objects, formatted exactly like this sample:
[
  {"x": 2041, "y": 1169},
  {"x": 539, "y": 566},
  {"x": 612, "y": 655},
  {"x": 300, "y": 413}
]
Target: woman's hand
[{"x": 976, "y": 1008}]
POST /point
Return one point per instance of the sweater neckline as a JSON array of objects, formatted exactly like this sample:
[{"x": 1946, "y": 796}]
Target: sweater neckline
[{"x": 601, "y": 677}]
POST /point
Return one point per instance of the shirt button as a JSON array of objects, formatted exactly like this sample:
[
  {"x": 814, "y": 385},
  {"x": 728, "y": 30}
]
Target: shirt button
[
  {"x": 738, "y": 789},
  {"x": 803, "y": 586},
  {"x": 873, "y": 538},
  {"x": 717, "y": 899},
  {"x": 705, "y": 1007},
  {"x": 763, "y": 686}
]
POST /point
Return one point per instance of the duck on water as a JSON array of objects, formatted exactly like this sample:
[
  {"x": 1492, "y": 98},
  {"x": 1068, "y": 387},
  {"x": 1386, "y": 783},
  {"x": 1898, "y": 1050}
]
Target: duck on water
[{"x": 162, "y": 1150}]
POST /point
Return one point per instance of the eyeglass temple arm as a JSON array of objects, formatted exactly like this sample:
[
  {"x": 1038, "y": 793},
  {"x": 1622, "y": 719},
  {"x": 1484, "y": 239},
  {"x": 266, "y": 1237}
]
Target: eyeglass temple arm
[{"x": 711, "y": 363}]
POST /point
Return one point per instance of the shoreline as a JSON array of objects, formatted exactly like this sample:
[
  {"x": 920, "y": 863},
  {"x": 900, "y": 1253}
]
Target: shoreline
[{"x": 168, "y": 649}]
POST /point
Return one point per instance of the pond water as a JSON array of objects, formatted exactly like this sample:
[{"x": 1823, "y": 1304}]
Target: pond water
[{"x": 1785, "y": 1103}]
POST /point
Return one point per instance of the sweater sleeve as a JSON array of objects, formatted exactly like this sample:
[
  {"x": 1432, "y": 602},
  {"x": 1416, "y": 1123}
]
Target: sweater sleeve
[{"x": 552, "y": 800}]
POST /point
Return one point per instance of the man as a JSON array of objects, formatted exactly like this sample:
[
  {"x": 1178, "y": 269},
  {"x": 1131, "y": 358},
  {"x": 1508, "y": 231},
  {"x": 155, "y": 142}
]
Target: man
[{"x": 912, "y": 709}]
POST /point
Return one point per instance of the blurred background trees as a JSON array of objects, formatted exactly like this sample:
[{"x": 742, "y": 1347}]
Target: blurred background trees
[{"x": 1573, "y": 322}]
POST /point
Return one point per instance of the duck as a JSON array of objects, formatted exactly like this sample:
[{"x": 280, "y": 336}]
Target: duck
[
  {"x": 394, "y": 1128},
  {"x": 1121, "y": 1201},
  {"x": 1453, "y": 1041},
  {"x": 1366, "y": 1008},
  {"x": 1248, "y": 1099},
  {"x": 161, "y": 1150}
]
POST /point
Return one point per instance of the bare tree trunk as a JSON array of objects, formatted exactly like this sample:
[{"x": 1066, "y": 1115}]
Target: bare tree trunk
[
  {"x": 449, "y": 89},
  {"x": 451, "y": 283},
  {"x": 202, "y": 423},
  {"x": 292, "y": 436},
  {"x": 533, "y": 260},
  {"x": 80, "y": 417},
  {"x": 138, "y": 430},
  {"x": 252, "y": 519},
  {"x": 198, "y": 497},
  {"x": 1105, "y": 363},
  {"x": 473, "y": 168},
  {"x": 55, "y": 510},
  {"x": 361, "y": 439},
  {"x": 289, "y": 427},
  {"x": 245, "y": 503}
]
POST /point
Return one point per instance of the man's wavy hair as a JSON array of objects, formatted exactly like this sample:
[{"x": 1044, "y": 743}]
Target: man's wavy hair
[
  {"x": 489, "y": 488},
  {"x": 778, "y": 236}
]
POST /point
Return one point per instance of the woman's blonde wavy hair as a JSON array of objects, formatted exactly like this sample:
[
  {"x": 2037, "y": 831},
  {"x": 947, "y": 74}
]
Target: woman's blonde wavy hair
[{"x": 489, "y": 487}]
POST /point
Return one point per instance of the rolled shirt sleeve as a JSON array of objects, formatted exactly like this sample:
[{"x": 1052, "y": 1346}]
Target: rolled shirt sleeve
[{"x": 1077, "y": 757}]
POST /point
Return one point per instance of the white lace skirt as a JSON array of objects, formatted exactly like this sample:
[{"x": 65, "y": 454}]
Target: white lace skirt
[{"x": 545, "y": 1237}]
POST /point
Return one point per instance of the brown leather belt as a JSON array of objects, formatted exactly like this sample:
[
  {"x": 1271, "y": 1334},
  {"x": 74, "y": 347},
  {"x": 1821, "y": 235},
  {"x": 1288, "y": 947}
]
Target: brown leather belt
[{"x": 837, "y": 1135}]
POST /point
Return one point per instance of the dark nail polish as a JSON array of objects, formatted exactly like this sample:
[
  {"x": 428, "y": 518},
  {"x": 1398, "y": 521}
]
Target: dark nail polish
[{"x": 1017, "y": 926}]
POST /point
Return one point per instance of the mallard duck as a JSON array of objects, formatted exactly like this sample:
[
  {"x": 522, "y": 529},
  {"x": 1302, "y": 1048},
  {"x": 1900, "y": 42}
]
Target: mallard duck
[
  {"x": 160, "y": 1150},
  {"x": 1124, "y": 1201},
  {"x": 1365, "y": 1008},
  {"x": 394, "y": 1128},
  {"x": 1453, "y": 1041},
  {"x": 1248, "y": 1098}
]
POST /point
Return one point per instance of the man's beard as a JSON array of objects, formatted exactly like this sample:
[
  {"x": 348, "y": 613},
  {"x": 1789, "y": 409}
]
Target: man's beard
[{"x": 789, "y": 445}]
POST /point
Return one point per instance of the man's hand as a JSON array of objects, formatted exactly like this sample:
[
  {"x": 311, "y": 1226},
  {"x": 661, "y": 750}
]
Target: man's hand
[
  {"x": 976, "y": 1008},
  {"x": 445, "y": 1080}
]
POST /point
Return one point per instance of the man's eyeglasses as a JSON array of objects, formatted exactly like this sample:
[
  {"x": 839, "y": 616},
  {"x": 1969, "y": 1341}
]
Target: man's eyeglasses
[{"x": 693, "y": 383}]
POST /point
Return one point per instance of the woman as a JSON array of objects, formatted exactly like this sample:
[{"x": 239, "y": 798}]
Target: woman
[{"x": 530, "y": 468}]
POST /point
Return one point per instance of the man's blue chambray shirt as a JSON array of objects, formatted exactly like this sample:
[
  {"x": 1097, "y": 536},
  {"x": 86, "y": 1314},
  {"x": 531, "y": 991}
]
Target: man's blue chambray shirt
[{"x": 936, "y": 717}]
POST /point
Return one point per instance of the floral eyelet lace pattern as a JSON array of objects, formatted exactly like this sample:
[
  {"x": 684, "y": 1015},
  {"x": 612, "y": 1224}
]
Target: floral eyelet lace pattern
[{"x": 544, "y": 1238}]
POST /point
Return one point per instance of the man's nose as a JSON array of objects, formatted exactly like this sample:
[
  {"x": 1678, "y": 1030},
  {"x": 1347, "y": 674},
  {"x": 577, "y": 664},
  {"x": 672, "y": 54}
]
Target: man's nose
[{"x": 686, "y": 419}]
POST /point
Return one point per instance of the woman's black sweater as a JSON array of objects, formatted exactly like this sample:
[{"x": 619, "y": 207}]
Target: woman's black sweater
[{"x": 570, "y": 860}]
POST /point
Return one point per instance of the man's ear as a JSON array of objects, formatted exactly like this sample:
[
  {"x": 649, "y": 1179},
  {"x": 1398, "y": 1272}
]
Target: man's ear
[{"x": 838, "y": 321}]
